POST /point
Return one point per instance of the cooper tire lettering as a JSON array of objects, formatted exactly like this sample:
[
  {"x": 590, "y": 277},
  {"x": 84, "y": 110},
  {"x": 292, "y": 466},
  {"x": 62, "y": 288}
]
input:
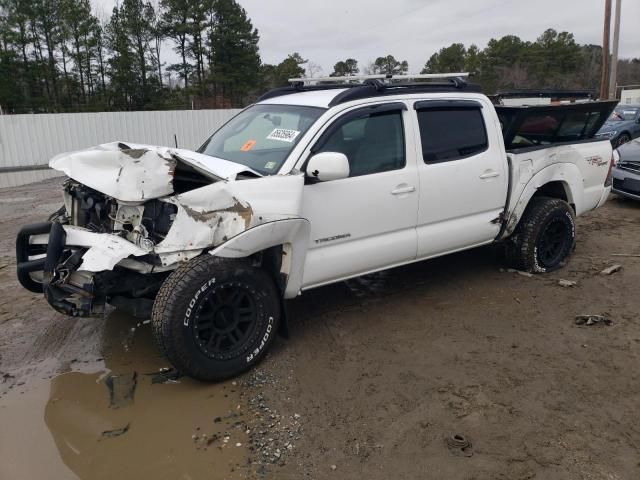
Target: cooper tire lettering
[{"x": 215, "y": 328}]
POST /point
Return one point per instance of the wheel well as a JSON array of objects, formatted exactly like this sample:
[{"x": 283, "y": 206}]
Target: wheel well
[
  {"x": 271, "y": 261},
  {"x": 555, "y": 189}
]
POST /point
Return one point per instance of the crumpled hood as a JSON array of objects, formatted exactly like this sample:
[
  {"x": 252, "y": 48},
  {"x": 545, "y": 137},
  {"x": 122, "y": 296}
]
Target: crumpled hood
[{"x": 134, "y": 172}]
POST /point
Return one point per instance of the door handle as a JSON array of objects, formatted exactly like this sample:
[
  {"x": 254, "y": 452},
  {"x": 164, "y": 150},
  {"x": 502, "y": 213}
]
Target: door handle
[
  {"x": 489, "y": 174},
  {"x": 401, "y": 190}
]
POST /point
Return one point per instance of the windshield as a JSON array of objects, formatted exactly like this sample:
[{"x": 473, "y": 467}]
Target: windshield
[
  {"x": 622, "y": 114},
  {"x": 262, "y": 136}
]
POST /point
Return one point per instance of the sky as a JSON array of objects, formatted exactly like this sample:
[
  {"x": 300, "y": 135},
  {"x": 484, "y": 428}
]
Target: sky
[{"x": 326, "y": 31}]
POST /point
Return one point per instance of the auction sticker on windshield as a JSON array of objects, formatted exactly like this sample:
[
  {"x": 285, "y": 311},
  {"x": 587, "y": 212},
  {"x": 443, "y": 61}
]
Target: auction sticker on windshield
[
  {"x": 283, "y": 135},
  {"x": 248, "y": 146}
]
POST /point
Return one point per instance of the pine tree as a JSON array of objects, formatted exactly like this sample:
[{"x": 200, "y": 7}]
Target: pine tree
[
  {"x": 199, "y": 13},
  {"x": 80, "y": 23},
  {"x": 448, "y": 59},
  {"x": 345, "y": 68},
  {"x": 235, "y": 60},
  {"x": 11, "y": 72},
  {"x": 390, "y": 66},
  {"x": 121, "y": 63},
  {"x": 138, "y": 18},
  {"x": 176, "y": 27},
  {"x": 157, "y": 29},
  {"x": 46, "y": 25},
  {"x": 279, "y": 75}
]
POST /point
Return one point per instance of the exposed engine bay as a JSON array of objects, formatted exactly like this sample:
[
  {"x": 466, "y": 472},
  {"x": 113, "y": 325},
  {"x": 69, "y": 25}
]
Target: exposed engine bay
[
  {"x": 76, "y": 292},
  {"x": 100, "y": 248},
  {"x": 144, "y": 224}
]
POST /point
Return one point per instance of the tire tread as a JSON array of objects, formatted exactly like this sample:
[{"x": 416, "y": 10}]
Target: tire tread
[
  {"x": 166, "y": 304},
  {"x": 520, "y": 248}
]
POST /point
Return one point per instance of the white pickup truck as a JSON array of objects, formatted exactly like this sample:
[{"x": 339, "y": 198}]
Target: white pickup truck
[{"x": 313, "y": 184}]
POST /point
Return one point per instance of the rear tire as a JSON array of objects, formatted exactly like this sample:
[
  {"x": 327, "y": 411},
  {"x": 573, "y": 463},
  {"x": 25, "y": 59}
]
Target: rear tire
[
  {"x": 544, "y": 238},
  {"x": 215, "y": 318}
]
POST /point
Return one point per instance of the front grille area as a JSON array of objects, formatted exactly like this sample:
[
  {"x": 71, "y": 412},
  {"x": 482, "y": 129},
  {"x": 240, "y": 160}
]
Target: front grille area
[{"x": 629, "y": 167}]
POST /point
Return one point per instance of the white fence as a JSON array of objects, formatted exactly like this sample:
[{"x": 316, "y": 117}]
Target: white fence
[{"x": 27, "y": 142}]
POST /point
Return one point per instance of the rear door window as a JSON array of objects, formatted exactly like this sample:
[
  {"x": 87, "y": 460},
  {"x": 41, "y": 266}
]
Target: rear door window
[{"x": 451, "y": 133}]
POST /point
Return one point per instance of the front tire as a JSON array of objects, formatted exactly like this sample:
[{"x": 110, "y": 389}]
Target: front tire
[
  {"x": 544, "y": 238},
  {"x": 215, "y": 318}
]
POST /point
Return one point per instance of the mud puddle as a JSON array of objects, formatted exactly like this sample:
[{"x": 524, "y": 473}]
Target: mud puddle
[{"x": 120, "y": 417}]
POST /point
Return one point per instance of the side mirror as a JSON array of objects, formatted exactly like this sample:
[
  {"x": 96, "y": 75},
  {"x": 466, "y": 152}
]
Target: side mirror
[{"x": 328, "y": 166}]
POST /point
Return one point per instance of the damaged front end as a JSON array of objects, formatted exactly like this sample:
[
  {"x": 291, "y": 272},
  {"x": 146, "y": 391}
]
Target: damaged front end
[
  {"x": 131, "y": 214},
  {"x": 78, "y": 258},
  {"x": 71, "y": 290}
]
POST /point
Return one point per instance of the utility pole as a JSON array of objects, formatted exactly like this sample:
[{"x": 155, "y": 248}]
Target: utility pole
[
  {"x": 613, "y": 81},
  {"x": 604, "y": 90}
]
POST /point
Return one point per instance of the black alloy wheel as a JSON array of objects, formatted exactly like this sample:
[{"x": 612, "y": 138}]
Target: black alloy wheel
[
  {"x": 544, "y": 237},
  {"x": 224, "y": 319},
  {"x": 215, "y": 318},
  {"x": 553, "y": 243}
]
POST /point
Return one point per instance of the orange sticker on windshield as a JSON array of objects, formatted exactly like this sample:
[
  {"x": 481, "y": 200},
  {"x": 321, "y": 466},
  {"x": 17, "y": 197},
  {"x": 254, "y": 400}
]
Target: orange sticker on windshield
[{"x": 247, "y": 146}]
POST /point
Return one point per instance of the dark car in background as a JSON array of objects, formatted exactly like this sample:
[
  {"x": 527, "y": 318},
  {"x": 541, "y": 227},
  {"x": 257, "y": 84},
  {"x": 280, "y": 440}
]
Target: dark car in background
[
  {"x": 626, "y": 173},
  {"x": 622, "y": 126}
]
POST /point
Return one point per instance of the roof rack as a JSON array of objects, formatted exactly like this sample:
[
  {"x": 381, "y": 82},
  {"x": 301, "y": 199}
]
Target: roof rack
[
  {"x": 382, "y": 77},
  {"x": 365, "y": 86}
]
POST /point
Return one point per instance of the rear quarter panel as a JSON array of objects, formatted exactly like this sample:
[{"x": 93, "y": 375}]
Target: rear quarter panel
[{"x": 581, "y": 168}]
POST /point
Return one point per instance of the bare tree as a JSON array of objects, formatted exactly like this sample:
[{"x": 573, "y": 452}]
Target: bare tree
[{"x": 313, "y": 70}]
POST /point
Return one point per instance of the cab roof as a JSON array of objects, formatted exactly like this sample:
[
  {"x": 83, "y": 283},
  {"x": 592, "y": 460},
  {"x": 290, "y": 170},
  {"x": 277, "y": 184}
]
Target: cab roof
[{"x": 313, "y": 98}]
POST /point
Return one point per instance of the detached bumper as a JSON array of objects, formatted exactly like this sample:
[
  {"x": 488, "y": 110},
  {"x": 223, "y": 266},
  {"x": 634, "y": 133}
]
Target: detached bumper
[
  {"x": 30, "y": 258},
  {"x": 45, "y": 265},
  {"x": 78, "y": 271}
]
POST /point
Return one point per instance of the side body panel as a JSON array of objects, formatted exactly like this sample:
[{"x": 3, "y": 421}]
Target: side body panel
[
  {"x": 461, "y": 200},
  {"x": 364, "y": 222},
  {"x": 581, "y": 169}
]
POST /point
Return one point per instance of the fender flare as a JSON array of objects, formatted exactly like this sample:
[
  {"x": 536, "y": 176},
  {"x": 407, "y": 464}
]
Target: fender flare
[
  {"x": 292, "y": 233},
  {"x": 567, "y": 173}
]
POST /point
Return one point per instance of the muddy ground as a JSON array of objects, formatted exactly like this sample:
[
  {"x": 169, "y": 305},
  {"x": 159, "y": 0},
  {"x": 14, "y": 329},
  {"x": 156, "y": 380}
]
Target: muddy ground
[{"x": 378, "y": 373}]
